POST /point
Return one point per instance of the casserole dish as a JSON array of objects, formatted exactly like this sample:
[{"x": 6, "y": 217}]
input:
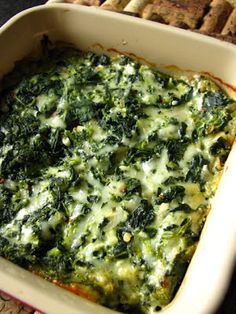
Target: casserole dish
[{"x": 72, "y": 25}]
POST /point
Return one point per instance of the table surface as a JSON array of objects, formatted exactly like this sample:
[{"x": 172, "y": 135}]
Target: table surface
[{"x": 8, "y": 8}]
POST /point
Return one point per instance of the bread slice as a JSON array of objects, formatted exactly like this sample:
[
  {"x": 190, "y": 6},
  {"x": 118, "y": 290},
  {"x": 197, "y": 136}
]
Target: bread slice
[
  {"x": 215, "y": 20},
  {"x": 181, "y": 13},
  {"x": 230, "y": 26}
]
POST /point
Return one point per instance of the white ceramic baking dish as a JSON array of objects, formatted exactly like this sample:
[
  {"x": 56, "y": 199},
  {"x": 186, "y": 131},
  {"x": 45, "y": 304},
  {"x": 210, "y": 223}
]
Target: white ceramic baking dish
[{"x": 210, "y": 269}]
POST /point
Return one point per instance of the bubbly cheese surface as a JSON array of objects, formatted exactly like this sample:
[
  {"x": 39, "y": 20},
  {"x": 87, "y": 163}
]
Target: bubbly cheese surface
[{"x": 107, "y": 172}]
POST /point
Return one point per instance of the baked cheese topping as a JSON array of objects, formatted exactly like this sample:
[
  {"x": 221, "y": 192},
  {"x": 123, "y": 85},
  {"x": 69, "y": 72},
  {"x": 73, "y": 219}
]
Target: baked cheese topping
[{"x": 107, "y": 172}]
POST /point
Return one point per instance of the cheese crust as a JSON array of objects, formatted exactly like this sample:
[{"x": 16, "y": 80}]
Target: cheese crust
[{"x": 108, "y": 168}]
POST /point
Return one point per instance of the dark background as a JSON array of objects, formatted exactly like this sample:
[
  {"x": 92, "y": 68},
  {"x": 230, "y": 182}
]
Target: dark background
[{"x": 8, "y": 8}]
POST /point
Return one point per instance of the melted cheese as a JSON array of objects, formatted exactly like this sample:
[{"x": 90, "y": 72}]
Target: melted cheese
[{"x": 123, "y": 191}]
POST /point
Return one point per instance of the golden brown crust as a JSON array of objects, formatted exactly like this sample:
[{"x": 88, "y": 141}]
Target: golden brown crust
[{"x": 77, "y": 289}]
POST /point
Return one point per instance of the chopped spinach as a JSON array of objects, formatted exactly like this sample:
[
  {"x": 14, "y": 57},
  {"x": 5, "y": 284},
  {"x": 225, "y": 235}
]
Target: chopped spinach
[
  {"x": 132, "y": 186},
  {"x": 176, "y": 149},
  {"x": 99, "y": 159},
  {"x": 195, "y": 171},
  {"x": 174, "y": 192},
  {"x": 142, "y": 216},
  {"x": 215, "y": 99},
  {"x": 220, "y": 148}
]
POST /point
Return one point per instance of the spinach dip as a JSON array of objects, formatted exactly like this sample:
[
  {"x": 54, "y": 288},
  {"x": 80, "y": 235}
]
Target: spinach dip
[{"x": 107, "y": 172}]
